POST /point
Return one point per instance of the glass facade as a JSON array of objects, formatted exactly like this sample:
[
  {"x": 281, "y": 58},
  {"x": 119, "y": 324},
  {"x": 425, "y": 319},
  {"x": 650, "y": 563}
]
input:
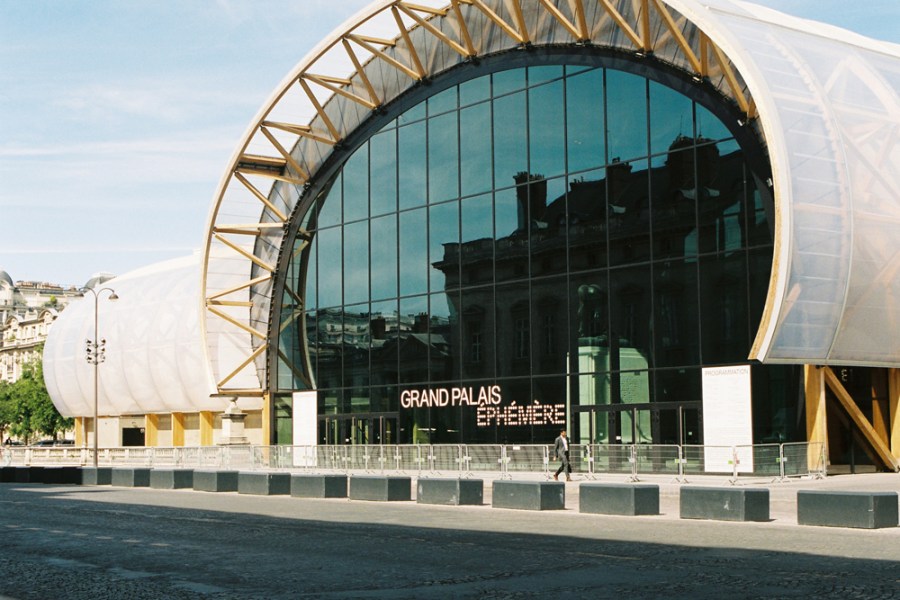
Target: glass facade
[{"x": 530, "y": 249}]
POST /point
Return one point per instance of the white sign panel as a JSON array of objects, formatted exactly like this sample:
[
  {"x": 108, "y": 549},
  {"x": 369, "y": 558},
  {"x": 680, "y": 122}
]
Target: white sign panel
[
  {"x": 305, "y": 424},
  {"x": 727, "y": 419}
]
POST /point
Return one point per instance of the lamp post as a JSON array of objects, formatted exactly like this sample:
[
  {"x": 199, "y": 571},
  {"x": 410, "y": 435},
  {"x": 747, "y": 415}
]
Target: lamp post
[{"x": 96, "y": 354}]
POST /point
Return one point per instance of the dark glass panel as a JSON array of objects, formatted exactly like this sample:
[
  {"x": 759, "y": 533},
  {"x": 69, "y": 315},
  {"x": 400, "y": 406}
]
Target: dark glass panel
[
  {"x": 312, "y": 344},
  {"x": 547, "y": 140},
  {"x": 386, "y": 399},
  {"x": 477, "y": 351},
  {"x": 412, "y": 168},
  {"x": 510, "y": 139},
  {"x": 630, "y": 304},
  {"x": 384, "y": 172},
  {"x": 443, "y": 226},
  {"x": 709, "y": 126},
  {"x": 385, "y": 330},
  {"x": 777, "y": 397},
  {"x": 358, "y": 398},
  {"x": 759, "y": 207},
  {"x": 588, "y": 306},
  {"x": 626, "y": 113},
  {"x": 475, "y": 149},
  {"x": 550, "y": 325},
  {"x": 509, "y": 217},
  {"x": 442, "y": 327},
  {"x": 384, "y": 257},
  {"x": 442, "y": 102},
  {"x": 477, "y": 235},
  {"x": 759, "y": 262},
  {"x": 681, "y": 385},
  {"x": 354, "y": 337},
  {"x": 413, "y": 252},
  {"x": 329, "y": 325},
  {"x": 720, "y": 199},
  {"x": 628, "y": 190},
  {"x": 676, "y": 319},
  {"x": 674, "y": 216},
  {"x": 356, "y": 185},
  {"x": 413, "y": 340},
  {"x": 671, "y": 118},
  {"x": 443, "y": 157},
  {"x": 723, "y": 305},
  {"x": 508, "y": 81},
  {"x": 415, "y": 422},
  {"x": 416, "y": 113},
  {"x": 477, "y": 218},
  {"x": 330, "y": 211},
  {"x": 513, "y": 329},
  {"x": 511, "y": 248},
  {"x": 539, "y": 75},
  {"x": 311, "y": 299},
  {"x": 474, "y": 90},
  {"x": 584, "y": 121},
  {"x": 331, "y": 267},
  {"x": 284, "y": 420},
  {"x": 587, "y": 220},
  {"x": 548, "y": 240},
  {"x": 356, "y": 262}
]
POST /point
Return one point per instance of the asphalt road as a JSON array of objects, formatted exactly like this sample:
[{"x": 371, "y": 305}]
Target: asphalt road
[{"x": 99, "y": 542}]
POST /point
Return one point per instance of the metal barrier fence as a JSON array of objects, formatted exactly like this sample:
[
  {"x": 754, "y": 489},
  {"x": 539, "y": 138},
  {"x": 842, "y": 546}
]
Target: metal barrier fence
[{"x": 773, "y": 461}]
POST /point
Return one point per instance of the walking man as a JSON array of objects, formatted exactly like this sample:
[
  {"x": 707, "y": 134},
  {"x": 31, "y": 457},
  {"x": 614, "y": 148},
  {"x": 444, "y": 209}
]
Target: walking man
[{"x": 562, "y": 454}]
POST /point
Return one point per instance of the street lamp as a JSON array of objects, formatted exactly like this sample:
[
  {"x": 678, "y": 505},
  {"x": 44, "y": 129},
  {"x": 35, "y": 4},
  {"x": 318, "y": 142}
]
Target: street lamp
[{"x": 96, "y": 354}]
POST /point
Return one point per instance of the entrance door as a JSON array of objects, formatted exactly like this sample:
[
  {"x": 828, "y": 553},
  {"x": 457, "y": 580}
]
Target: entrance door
[
  {"x": 645, "y": 423},
  {"x": 133, "y": 436},
  {"x": 364, "y": 428}
]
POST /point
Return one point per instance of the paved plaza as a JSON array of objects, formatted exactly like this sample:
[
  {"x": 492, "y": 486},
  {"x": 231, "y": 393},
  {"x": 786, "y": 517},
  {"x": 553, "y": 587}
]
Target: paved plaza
[{"x": 104, "y": 542}]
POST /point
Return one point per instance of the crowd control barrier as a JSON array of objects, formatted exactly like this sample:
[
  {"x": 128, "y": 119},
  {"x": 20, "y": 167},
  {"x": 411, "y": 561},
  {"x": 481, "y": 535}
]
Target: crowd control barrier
[{"x": 775, "y": 462}]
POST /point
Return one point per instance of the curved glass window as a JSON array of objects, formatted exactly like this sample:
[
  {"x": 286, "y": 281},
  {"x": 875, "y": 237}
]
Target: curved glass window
[{"x": 533, "y": 248}]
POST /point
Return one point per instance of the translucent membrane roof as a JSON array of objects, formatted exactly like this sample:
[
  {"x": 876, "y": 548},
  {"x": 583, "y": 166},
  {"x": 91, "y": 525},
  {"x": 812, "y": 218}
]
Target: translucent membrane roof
[
  {"x": 154, "y": 352},
  {"x": 829, "y": 108}
]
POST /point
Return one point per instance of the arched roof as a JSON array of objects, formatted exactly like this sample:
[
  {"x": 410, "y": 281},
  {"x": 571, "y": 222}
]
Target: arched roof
[
  {"x": 5, "y": 279},
  {"x": 824, "y": 99},
  {"x": 154, "y": 358}
]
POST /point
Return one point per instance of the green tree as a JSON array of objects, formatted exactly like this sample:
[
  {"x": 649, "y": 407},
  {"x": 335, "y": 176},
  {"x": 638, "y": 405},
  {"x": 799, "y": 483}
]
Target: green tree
[
  {"x": 7, "y": 413},
  {"x": 32, "y": 410}
]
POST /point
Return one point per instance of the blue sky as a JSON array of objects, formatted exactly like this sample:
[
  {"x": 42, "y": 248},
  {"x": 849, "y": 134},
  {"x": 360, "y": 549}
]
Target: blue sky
[{"x": 117, "y": 118}]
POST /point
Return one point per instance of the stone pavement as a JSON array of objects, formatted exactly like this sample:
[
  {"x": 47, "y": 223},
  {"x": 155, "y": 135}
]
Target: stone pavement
[{"x": 100, "y": 542}]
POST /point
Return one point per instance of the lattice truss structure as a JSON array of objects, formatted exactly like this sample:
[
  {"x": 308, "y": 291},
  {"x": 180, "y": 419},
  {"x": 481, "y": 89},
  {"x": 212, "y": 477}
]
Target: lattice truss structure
[{"x": 825, "y": 100}]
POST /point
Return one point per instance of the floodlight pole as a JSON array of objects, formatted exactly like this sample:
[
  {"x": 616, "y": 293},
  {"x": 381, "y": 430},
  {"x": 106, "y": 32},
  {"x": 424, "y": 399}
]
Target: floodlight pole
[{"x": 96, "y": 354}]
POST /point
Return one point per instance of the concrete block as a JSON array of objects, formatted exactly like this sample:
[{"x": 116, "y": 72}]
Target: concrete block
[
  {"x": 618, "y": 499},
  {"x": 861, "y": 510},
  {"x": 28, "y": 474},
  {"x": 264, "y": 483},
  {"x": 171, "y": 479},
  {"x": 64, "y": 475},
  {"x": 529, "y": 495},
  {"x": 380, "y": 488},
  {"x": 215, "y": 481},
  {"x": 131, "y": 477},
  {"x": 96, "y": 475},
  {"x": 7, "y": 474},
  {"x": 724, "y": 503},
  {"x": 454, "y": 492},
  {"x": 318, "y": 486}
]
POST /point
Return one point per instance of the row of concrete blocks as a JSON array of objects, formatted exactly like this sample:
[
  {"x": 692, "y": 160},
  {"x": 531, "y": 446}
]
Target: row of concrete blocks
[{"x": 866, "y": 510}]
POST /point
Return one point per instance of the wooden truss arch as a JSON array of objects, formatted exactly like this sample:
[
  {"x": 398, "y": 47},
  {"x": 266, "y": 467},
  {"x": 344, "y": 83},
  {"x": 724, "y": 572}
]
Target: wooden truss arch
[{"x": 390, "y": 47}]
